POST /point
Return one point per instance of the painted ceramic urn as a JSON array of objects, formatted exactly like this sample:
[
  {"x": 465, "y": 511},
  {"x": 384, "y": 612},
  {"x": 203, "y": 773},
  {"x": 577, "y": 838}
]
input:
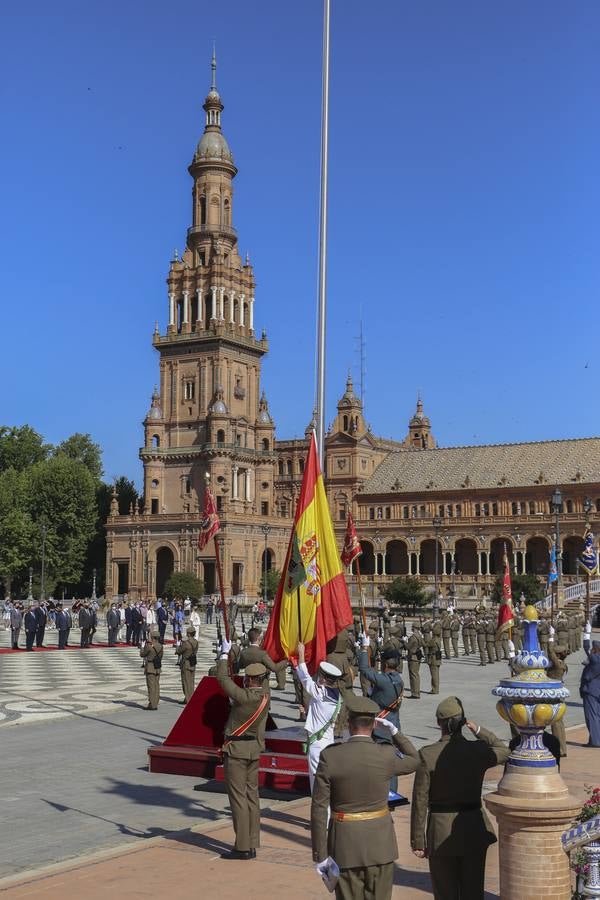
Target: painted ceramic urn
[{"x": 530, "y": 700}]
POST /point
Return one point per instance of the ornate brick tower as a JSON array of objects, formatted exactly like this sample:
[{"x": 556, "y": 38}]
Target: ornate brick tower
[{"x": 208, "y": 415}]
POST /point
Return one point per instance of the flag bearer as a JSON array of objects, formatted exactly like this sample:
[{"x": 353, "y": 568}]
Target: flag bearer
[{"x": 324, "y": 707}]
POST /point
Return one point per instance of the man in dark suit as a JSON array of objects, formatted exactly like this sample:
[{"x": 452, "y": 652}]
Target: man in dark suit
[
  {"x": 16, "y": 621},
  {"x": 162, "y": 620},
  {"x": 41, "y": 617},
  {"x": 128, "y": 624},
  {"x": 136, "y": 625},
  {"x": 61, "y": 626},
  {"x": 113, "y": 620},
  {"x": 85, "y": 623},
  {"x": 353, "y": 780},
  {"x": 448, "y": 823},
  {"x": 69, "y": 620},
  {"x": 30, "y": 627}
]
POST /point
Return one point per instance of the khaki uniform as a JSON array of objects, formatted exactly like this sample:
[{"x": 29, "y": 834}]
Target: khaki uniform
[
  {"x": 446, "y": 635},
  {"x": 561, "y": 637},
  {"x": 394, "y": 643},
  {"x": 466, "y": 636},
  {"x": 433, "y": 658},
  {"x": 187, "y": 651},
  {"x": 364, "y": 849},
  {"x": 490, "y": 640},
  {"x": 255, "y": 654},
  {"x": 447, "y": 818},
  {"x": 517, "y": 634},
  {"x": 150, "y": 653},
  {"x": 414, "y": 649},
  {"x": 543, "y": 634},
  {"x": 558, "y": 669},
  {"x": 480, "y": 629},
  {"x": 241, "y": 757},
  {"x": 454, "y": 631}
]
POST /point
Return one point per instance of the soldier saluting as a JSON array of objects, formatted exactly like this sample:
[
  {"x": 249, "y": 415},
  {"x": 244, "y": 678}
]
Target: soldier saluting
[
  {"x": 243, "y": 744},
  {"x": 186, "y": 651},
  {"x": 151, "y": 653},
  {"x": 360, "y": 836}
]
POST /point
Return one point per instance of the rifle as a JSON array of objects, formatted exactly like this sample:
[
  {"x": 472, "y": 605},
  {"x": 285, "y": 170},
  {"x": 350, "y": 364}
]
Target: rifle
[{"x": 243, "y": 626}]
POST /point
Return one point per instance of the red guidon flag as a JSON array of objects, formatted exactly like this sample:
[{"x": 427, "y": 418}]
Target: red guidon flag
[
  {"x": 352, "y": 547},
  {"x": 312, "y": 603},
  {"x": 210, "y": 519},
  {"x": 505, "y": 613}
]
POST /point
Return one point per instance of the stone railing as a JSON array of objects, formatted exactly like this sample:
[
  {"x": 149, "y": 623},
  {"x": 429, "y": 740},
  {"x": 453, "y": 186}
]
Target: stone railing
[{"x": 586, "y": 837}]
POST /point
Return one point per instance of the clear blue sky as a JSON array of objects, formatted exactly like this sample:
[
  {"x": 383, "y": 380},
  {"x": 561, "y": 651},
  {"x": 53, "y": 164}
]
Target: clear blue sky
[{"x": 465, "y": 198}]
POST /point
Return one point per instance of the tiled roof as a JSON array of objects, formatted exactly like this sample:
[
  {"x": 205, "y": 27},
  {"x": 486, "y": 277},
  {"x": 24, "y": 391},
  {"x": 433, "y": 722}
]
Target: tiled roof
[{"x": 491, "y": 466}]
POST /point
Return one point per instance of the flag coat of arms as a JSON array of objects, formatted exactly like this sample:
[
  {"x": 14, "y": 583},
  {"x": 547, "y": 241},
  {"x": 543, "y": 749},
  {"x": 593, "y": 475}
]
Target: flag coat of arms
[
  {"x": 505, "y": 613},
  {"x": 209, "y": 524},
  {"x": 312, "y": 603},
  {"x": 553, "y": 570}
]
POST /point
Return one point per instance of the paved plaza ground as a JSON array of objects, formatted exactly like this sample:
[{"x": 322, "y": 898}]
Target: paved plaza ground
[{"x": 74, "y": 777}]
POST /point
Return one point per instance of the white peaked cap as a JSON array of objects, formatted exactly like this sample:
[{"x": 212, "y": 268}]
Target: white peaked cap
[{"x": 329, "y": 669}]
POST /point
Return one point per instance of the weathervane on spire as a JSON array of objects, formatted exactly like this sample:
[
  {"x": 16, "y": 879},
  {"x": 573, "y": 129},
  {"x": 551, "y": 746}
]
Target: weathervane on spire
[{"x": 213, "y": 66}]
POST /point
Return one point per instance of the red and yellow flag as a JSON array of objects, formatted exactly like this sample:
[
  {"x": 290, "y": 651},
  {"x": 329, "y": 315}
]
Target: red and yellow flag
[
  {"x": 312, "y": 603},
  {"x": 505, "y": 613},
  {"x": 351, "y": 548}
]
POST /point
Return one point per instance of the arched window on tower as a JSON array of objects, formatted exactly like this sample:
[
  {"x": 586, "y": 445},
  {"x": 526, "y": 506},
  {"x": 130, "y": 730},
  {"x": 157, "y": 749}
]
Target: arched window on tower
[
  {"x": 345, "y": 426},
  {"x": 203, "y": 210},
  {"x": 265, "y": 445},
  {"x": 226, "y": 212},
  {"x": 301, "y": 465},
  {"x": 281, "y": 467},
  {"x": 289, "y": 467},
  {"x": 155, "y": 440},
  {"x": 220, "y": 436}
]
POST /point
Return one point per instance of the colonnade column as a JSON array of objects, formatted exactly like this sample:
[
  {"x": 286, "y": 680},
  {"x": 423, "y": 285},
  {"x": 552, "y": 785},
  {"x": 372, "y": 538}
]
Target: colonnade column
[
  {"x": 234, "y": 483},
  {"x": 231, "y": 301},
  {"x": 213, "y": 303},
  {"x": 172, "y": 310},
  {"x": 222, "y": 310},
  {"x": 199, "y": 297},
  {"x": 186, "y": 307},
  {"x": 248, "y": 485},
  {"x": 242, "y": 297},
  {"x": 251, "y": 314}
]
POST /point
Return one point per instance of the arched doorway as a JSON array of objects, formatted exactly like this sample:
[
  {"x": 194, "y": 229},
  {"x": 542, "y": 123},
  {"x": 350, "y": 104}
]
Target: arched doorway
[
  {"x": 537, "y": 558},
  {"x": 571, "y": 551},
  {"x": 396, "y": 558},
  {"x": 466, "y": 557},
  {"x": 497, "y": 555},
  {"x": 427, "y": 557},
  {"x": 165, "y": 564},
  {"x": 367, "y": 560}
]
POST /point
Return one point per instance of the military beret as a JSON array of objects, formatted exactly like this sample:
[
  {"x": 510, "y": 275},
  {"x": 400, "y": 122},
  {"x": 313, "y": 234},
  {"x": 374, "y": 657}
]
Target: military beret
[
  {"x": 358, "y": 705},
  {"x": 155, "y": 633},
  {"x": 255, "y": 670},
  {"x": 191, "y": 629},
  {"x": 330, "y": 670},
  {"x": 449, "y": 708},
  {"x": 390, "y": 653}
]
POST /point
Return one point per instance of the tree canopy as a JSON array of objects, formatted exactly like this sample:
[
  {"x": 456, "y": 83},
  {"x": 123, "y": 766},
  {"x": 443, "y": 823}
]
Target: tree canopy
[
  {"x": 21, "y": 448},
  {"x": 82, "y": 448},
  {"x": 183, "y": 584},
  {"x": 529, "y": 585},
  {"x": 272, "y": 581},
  {"x": 405, "y": 591}
]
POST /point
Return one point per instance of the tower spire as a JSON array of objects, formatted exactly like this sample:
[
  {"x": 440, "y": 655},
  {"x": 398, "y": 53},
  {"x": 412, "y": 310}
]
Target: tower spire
[{"x": 213, "y": 66}]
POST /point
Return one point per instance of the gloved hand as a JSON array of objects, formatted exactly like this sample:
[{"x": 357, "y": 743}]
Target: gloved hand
[
  {"x": 552, "y": 631},
  {"x": 365, "y": 640},
  {"x": 329, "y": 871},
  {"x": 225, "y": 647},
  {"x": 380, "y": 640},
  {"x": 385, "y": 725},
  {"x": 511, "y": 650}
]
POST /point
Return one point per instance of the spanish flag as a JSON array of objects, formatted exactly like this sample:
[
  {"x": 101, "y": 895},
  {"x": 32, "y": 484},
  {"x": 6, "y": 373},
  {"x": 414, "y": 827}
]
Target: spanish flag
[{"x": 312, "y": 603}]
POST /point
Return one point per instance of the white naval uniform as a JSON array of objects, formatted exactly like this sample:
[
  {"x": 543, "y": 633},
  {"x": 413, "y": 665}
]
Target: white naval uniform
[{"x": 323, "y": 701}]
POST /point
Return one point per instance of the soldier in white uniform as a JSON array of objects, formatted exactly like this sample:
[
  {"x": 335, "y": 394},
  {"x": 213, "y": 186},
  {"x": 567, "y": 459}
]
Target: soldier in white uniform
[{"x": 323, "y": 708}]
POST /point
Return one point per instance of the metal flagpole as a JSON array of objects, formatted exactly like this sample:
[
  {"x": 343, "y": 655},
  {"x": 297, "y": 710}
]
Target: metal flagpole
[{"x": 323, "y": 243}]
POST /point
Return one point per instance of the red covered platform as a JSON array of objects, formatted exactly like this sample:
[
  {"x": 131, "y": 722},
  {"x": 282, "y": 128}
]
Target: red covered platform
[{"x": 193, "y": 746}]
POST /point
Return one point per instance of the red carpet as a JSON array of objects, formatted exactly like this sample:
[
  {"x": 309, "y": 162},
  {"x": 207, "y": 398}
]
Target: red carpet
[{"x": 97, "y": 646}]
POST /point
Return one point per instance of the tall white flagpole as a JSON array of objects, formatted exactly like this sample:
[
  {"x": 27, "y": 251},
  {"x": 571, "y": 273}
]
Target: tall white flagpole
[{"x": 321, "y": 321}]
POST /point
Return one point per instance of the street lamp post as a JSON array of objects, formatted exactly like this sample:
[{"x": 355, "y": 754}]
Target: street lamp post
[
  {"x": 556, "y": 501},
  {"x": 265, "y": 530},
  {"x": 377, "y": 539},
  {"x": 30, "y": 594},
  {"x": 94, "y": 585},
  {"x": 587, "y": 508},
  {"x": 437, "y": 524},
  {"x": 43, "y": 529}
]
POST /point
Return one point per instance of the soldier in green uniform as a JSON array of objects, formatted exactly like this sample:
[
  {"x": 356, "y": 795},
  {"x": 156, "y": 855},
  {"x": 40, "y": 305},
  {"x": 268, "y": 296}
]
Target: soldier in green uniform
[
  {"x": 558, "y": 669},
  {"x": 358, "y": 834},
  {"x": 572, "y": 619},
  {"x": 433, "y": 658},
  {"x": 517, "y": 632},
  {"x": 446, "y": 624},
  {"x": 151, "y": 653},
  {"x": 454, "y": 632},
  {"x": 561, "y": 626},
  {"x": 448, "y": 824},
  {"x": 480, "y": 629},
  {"x": 414, "y": 649},
  {"x": 253, "y": 652},
  {"x": 243, "y": 744},
  {"x": 490, "y": 639},
  {"x": 466, "y": 635},
  {"x": 186, "y": 651},
  {"x": 543, "y": 632}
]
